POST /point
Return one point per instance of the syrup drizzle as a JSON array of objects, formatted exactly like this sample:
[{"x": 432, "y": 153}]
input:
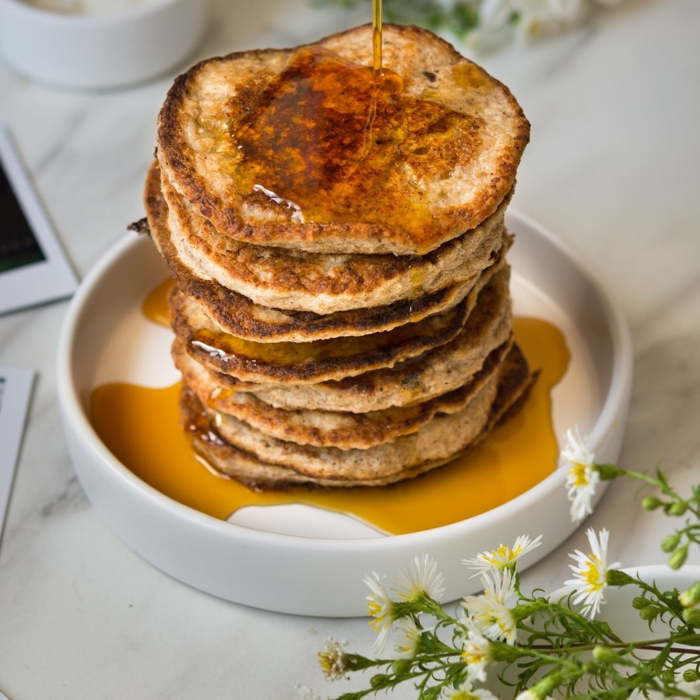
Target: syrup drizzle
[
  {"x": 377, "y": 34},
  {"x": 329, "y": 140}
]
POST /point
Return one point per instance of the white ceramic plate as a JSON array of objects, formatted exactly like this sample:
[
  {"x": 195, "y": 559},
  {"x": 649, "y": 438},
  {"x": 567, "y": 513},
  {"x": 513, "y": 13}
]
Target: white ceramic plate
[{"x": 273, "y": 557}]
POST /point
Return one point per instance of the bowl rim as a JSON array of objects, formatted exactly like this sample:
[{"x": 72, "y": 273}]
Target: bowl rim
[
  {"x": 76, "y": 420},
  {"x": 66, "y": 19}
]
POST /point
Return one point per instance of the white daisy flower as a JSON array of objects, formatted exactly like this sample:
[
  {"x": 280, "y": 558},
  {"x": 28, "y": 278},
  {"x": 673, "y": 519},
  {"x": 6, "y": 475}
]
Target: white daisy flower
[
  {"x": 581, "y": 476},
  {"x": 379, "y": 607},
  {"x": 589, "y": 573},
  {"x": 489, "y": 611},
  {"x": 421, "y": 577},
  {"x": 407, "y": 643},
  {"x": 332, "y": 659},
  {"x": 503, "y": 555},
  {"x": 468, "y": 692},
  {"x": 477, "y": 654}
]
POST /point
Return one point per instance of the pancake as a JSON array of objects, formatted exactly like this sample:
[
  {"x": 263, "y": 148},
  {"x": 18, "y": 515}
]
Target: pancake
[
  {"x": 415, "y": 381},
  {"x": 322, "y": 360},
  {"x": 514, "y": 383},
  {"x": 237, "y": 315},
  {"x": 322, "y": 283},
  {"x": 438, "y": 439},
  {"x": 234, "y": 314},
  {"x": 328, "y": 428},
  {"x": 251, "y": 141}
]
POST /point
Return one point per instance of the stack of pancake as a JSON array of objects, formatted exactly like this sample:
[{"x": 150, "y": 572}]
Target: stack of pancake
[{"x": 341, "y": 305}]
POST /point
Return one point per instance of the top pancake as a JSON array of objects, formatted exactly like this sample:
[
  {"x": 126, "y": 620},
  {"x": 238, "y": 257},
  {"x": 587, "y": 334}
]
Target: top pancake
[{"x": 250, "y": 140}]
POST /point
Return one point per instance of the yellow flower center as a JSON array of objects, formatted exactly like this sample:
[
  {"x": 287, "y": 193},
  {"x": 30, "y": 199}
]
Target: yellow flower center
[
  {"x": 502, "y": 556},
  {"x": 378, "y": 612},
  {"x": 593, "y": 574},
  {"x": 407, "y": 647},
  {"x": 580, "y": 474},
  {"x": 474, "y": 656}
]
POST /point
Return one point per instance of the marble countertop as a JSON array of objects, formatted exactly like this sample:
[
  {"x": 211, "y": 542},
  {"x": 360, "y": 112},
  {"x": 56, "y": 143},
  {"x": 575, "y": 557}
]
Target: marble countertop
[{"x": 612, "y": 168}]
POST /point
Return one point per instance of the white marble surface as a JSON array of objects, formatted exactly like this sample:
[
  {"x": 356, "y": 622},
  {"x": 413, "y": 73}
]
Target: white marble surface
[{"x": 612, "y": 167}]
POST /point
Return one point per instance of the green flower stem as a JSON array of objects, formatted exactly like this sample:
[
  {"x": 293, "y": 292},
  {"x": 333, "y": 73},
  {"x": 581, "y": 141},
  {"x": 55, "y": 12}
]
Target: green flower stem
[
  {"x": 649, "y": 644},
  {"x": 658, "y": 482}
]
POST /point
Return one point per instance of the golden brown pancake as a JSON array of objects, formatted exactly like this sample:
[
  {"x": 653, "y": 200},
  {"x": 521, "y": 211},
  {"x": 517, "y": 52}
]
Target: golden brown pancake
[
  {"x": 322, "y": 360},
  {"x": 323, "y": 283},
  {"x": 237, "y": 315},
  {"x": 249, "y": 469},
  {"x": 328, "y": 428},
  {"x": 420, "y": 379},
  {"x": 305, "y": 149}
]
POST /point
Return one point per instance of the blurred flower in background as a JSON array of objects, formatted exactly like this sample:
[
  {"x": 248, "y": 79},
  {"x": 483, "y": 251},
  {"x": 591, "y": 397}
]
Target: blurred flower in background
[{"x": 486, "y": 25}]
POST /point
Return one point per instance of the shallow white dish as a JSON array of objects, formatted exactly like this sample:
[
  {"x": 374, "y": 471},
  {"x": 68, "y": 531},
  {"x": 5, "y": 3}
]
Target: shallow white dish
[
  {"x": 100, "y": 51},
  {"x": 274, "y": 557}
]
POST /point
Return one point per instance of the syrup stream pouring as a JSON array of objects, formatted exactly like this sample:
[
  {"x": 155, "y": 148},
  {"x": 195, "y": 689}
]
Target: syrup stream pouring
[{"x": 377, "y": 33}]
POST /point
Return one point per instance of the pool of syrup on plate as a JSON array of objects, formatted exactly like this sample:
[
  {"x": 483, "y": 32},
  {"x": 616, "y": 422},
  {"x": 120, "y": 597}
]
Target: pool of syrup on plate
[{"x": 141, "y": 427}]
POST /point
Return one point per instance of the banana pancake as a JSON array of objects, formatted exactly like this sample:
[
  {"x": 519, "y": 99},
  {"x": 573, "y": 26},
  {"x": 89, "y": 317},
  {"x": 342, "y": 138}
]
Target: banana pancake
[
  {"x": 515, "y": 380},
  {"x": 309, "y": 149},
  {"x": 321, "y": 360},
  {"x": 328, "y": 428},
  {"x": 236, "y": 314},
  {"x": 417, "y": 380},
  {"x": 323, "y": 283}
]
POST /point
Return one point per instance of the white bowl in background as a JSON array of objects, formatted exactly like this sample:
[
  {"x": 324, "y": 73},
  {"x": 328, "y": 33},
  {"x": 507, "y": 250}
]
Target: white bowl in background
[
  {"x": 297, "y": 564},
  {"x": 100, "y": 51}
]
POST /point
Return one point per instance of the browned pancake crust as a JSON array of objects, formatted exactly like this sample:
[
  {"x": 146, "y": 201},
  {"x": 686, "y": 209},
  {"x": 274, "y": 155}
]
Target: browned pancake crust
[
  {"x": 327, "y": 428},
  {"x": 496, "y": 123},
  {"x": 239, "y": 316},
  {"x": 246, "y": 468},
  {"x": 316, "y": 282},
  {"x": 414, "y": 381},
  {"x": 323, "y": 360}
]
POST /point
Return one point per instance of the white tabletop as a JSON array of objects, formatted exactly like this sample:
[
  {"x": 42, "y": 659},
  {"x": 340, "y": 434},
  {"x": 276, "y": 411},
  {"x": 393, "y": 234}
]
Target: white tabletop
[{"x": 612, "y": 168}]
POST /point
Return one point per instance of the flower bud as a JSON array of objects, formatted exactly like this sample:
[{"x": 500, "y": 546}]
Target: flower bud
[
  {"x": 691, "y": 596},
  {"x": 649, "y": 613},
  {"x": 651, "y": 503},
  {"x": 639, "y": 603},
  {"x": 667, "y": 677},
  {"x": 692, "y": 616},
  {"x": 678, "y": 508},
  {"x": 677, "y": 559},
  {"x": 379, "y": 680},
  {"x": 605, "y": 655},
  {"x": 615, "y": 577},
  {"x": 690, "y": 675},
  {"x": 669, "y": 543}
]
